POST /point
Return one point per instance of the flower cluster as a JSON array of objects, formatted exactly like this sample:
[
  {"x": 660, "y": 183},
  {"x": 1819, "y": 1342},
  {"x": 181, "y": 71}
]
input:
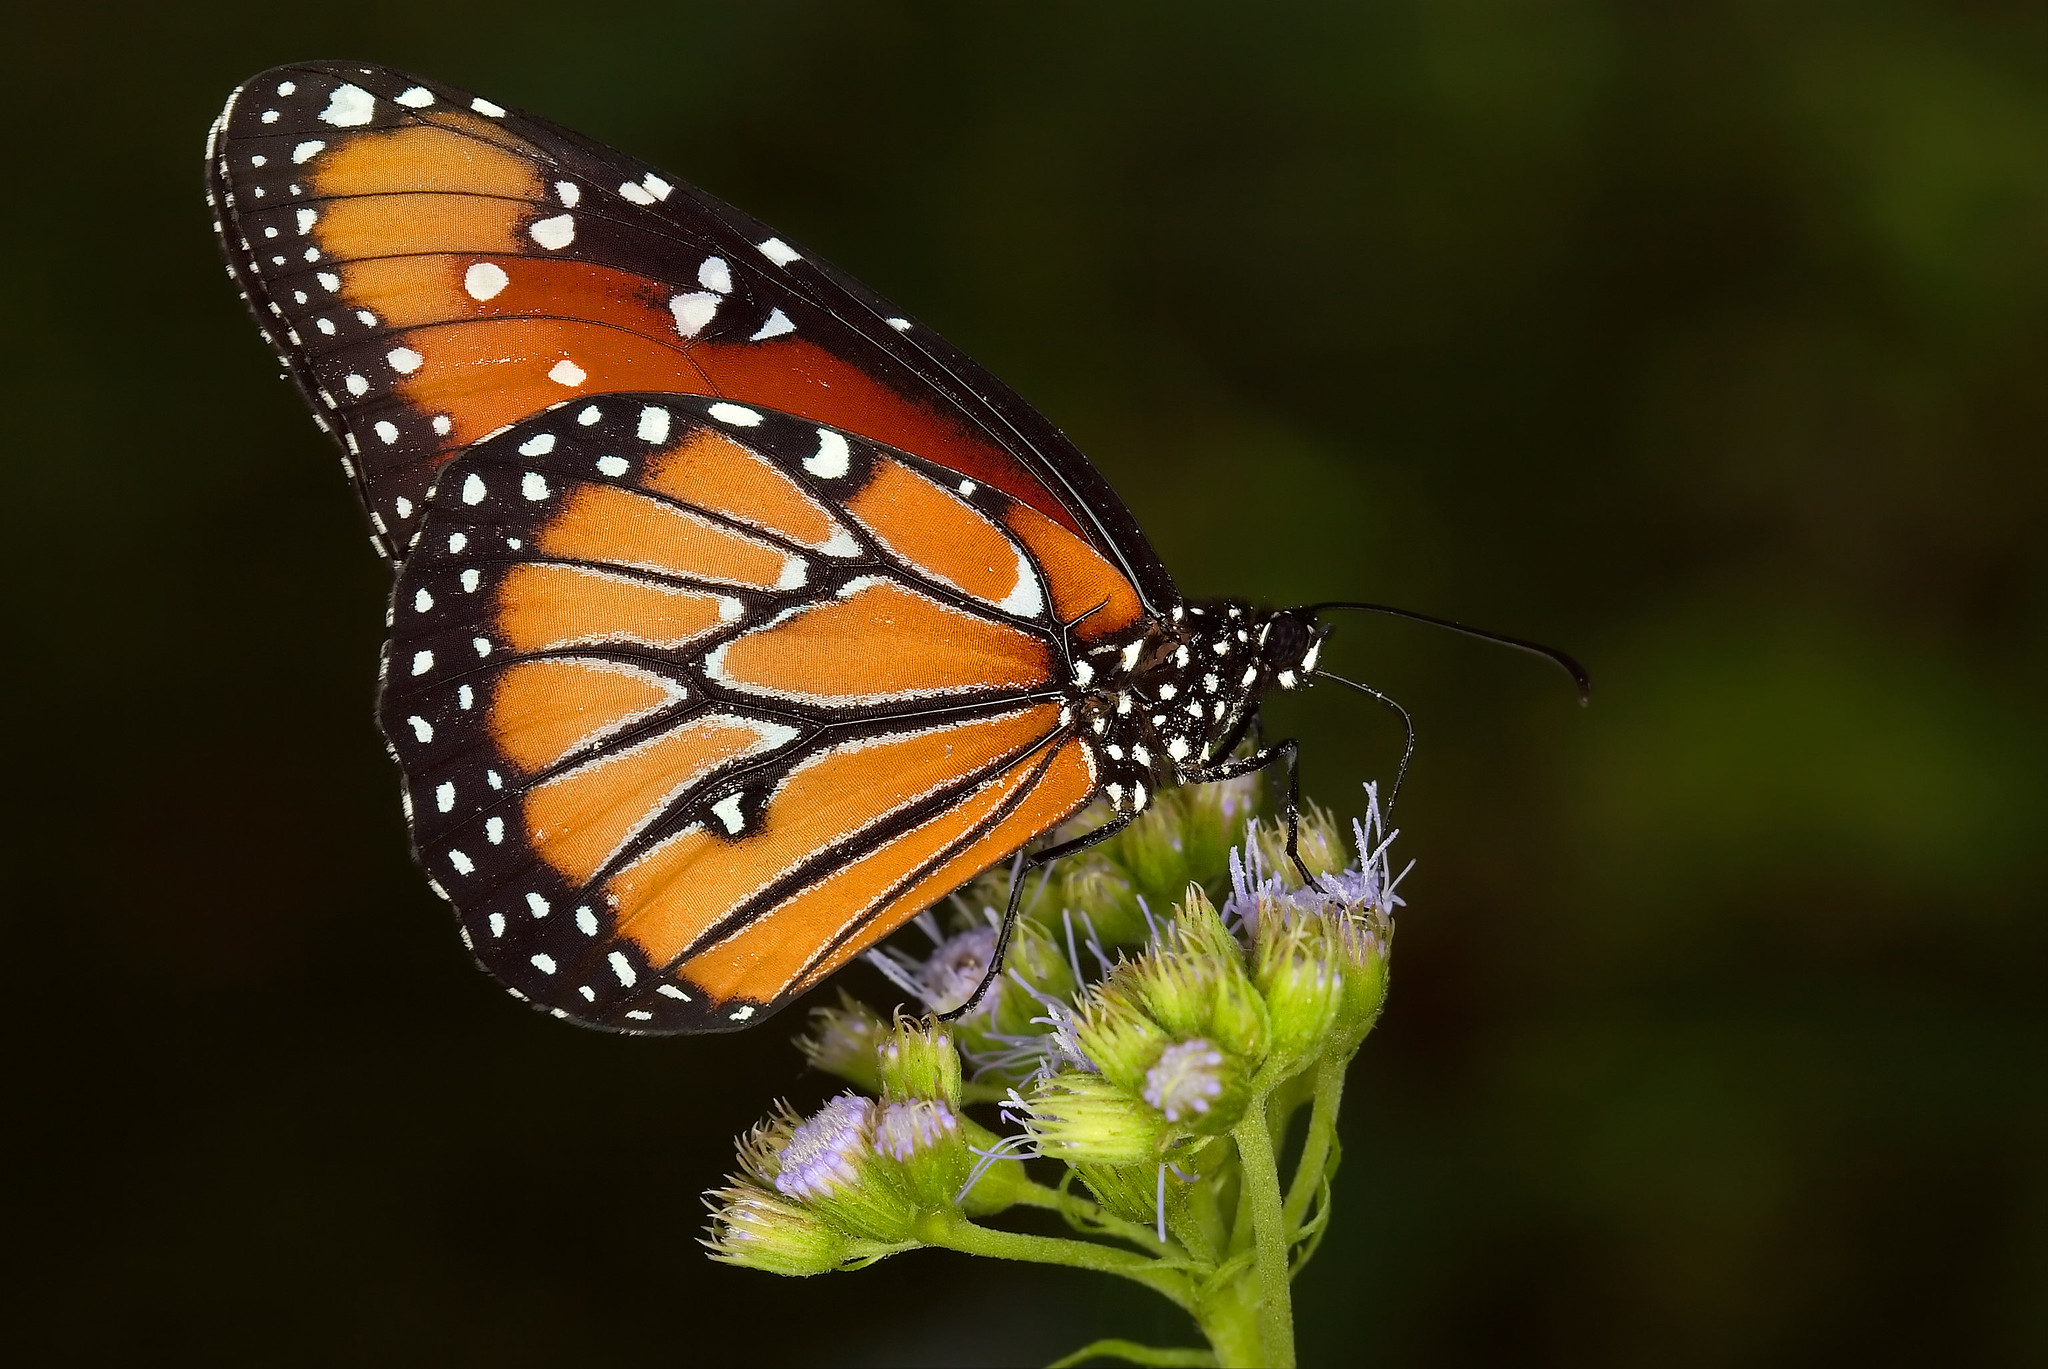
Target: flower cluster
[{"x": 1171, "y": 999}]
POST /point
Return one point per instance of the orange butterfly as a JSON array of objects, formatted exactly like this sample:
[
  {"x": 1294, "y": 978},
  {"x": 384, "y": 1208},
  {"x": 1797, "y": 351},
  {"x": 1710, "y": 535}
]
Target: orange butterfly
[{"x": 738, "y": 617}]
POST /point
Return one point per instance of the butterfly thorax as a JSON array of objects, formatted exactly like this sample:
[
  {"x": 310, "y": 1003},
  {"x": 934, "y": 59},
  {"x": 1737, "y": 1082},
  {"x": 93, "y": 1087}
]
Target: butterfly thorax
[{"x": 1165, "y": 703}]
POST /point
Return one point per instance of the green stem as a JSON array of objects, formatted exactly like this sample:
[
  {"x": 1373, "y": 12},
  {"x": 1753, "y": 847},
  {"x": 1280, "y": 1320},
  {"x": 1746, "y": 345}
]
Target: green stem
[
  {"x": 1068, "y": 1204},
  {"x": 954, "y": 1232},
  {"x": 1131, "y": 1352},
  {"x": 1261, "y": 1179},
  {"x": 1315, "y": 1149}
]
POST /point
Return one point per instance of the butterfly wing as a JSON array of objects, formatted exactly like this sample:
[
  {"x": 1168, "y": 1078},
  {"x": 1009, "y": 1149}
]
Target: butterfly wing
[
  {"x": 431, "y": 267},
  {"x": 695, "y": 700}
]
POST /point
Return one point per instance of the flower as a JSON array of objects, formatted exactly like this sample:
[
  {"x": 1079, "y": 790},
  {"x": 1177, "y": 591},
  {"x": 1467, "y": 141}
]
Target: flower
[
  {"x": 1186, "y": 1080},
  {"x": 843, "y": 1039}
]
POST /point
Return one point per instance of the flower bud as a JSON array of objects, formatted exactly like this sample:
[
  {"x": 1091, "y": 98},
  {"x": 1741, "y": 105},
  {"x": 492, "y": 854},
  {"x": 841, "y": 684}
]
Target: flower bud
[
  {"x": 1085, "y": 1119},
  {"x": 829, "y": 1164},
  {"x": 1197, "y": 1087},
  {"x": 918, "y": 1060},
  {"x": 1319, "y": 840},
  {"x": 922, "y": 1137},
  {"x": 1196, "y": 985},
  {"x": 842, "y": 1040},
  {"x": 1363, "y": 941},
  {"x": 1114, "y": 1033},
  {"x": 753, "y": 1227},
  {"x": 1300, "y": 974}
]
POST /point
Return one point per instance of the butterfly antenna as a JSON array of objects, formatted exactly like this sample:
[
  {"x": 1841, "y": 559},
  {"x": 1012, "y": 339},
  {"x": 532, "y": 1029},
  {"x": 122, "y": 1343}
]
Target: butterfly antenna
[
  {"x": 1561, "y": 660},
  {"x": 1407, "y": 750}
]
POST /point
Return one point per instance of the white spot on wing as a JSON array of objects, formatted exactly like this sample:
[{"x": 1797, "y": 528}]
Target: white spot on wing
[
  {"x": 418, "y": 97},
  {"x": 556, "y": 233},
  {"x": 727, "y": 811},
  {"x": 623, "y": 968},
  {"x": 486, "y": 108},
  {"x": 484, "y": 280},
  {"x": 778, "y": 323},
  {"x": 714, "y": 274},
  {"x": 568, "y": 192},
  {"x": 735, "y": 415},
  {"x": 567, "y": 372},
  {"x": 534, "y": 486},
  {"x": 653, "y": 424},
  {"x": 422, "y": 730},
  {"x": 832, "y": 458},
  {"x": 444, "y": 798},
  {"x": 473, "y": 489},
  {"x": 614, "y": 466},
  {"x": 1027, "y": 600},
  {"x": 693, "y": 311},
  {"x": 780, "y": 252},
  {"x": 635, "y": 193},
  {"x": 307, "y": 150},
  {"x": 349, "y": 107},
  {"x": 540, "y": 444},
  {"x": 422, "y": 662},
  {"x": 404, "y": 360}
]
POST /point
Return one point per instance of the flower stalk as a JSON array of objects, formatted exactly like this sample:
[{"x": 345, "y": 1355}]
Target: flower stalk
[{"x": 1175, "y": 998}]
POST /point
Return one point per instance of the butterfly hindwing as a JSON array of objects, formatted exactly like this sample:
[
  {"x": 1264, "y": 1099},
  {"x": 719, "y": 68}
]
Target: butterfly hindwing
[
  {"x": 694, "y": 700},
  {"x": 432, "y": 266}
]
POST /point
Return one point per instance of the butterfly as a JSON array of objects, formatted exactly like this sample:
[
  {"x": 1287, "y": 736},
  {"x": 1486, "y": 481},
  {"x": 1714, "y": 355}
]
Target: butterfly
[{"x": 737, "y": 617}]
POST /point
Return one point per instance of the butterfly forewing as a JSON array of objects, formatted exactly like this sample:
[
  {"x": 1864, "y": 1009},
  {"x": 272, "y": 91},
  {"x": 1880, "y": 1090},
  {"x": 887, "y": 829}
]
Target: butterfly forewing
[
  {"x": 432, "y": 267},
  {"x": 694, "y": 700}
]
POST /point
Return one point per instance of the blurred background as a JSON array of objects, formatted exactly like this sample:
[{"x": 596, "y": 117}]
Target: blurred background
[{"x": 1709, "y": 341}]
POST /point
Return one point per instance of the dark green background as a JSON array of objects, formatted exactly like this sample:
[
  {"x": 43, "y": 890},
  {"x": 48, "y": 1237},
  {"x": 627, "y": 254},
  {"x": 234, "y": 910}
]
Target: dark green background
[{"x": 1707, "y": 340}]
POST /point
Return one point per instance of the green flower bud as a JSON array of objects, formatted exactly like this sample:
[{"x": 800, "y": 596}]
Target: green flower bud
[
  {"x": 1085, "y": 1119},
  {"x": 830, "y": 1165},
  {"x": 1196, "y": 984},
  {"x": 1111, "y": 1029},
  {"x": 1132, "y": 1192},
  {"x": 995, "y": 1180},
  {"x": 917, "y": 1060},
  {"x": 922, "y": 1137},
  {"x": 1099, "y": 896},
  {"x": 1197, "y": 1087},
  {"x": 756, "y": 1228},
  {"x": 842, "y": 1041},
  {"x": 1319, "y": 840},
  {"x": 1300, "y": 973},
  {"x": 1363, "y": 941}
]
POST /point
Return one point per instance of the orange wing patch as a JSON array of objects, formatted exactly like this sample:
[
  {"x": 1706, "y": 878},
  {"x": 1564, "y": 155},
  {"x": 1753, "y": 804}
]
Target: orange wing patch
[
  {"x": 1081, "y": 580},
  {"x": 579, "y": 820},
  {"x": 543, "y": 711},
  {"x": 616, "y": 527},
  {"x": 876, "y": 642},
  {"x": 547, "y": 607},
  {"x": 680, "y": 891},
  {"x": 790, "y": 941},
  {"x": 945, "y": 537},
  {"x": 712, "y": 471}
]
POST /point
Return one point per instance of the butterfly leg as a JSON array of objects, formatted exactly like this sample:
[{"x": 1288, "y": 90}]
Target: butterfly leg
[
  {"x": 1017, "y": 878},
  {"x": 1287, "y": 751}
]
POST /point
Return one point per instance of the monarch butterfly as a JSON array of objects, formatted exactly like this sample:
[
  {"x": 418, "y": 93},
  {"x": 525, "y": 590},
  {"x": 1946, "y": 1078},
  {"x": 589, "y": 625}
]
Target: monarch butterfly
[{"x": 737, "y": 616}]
